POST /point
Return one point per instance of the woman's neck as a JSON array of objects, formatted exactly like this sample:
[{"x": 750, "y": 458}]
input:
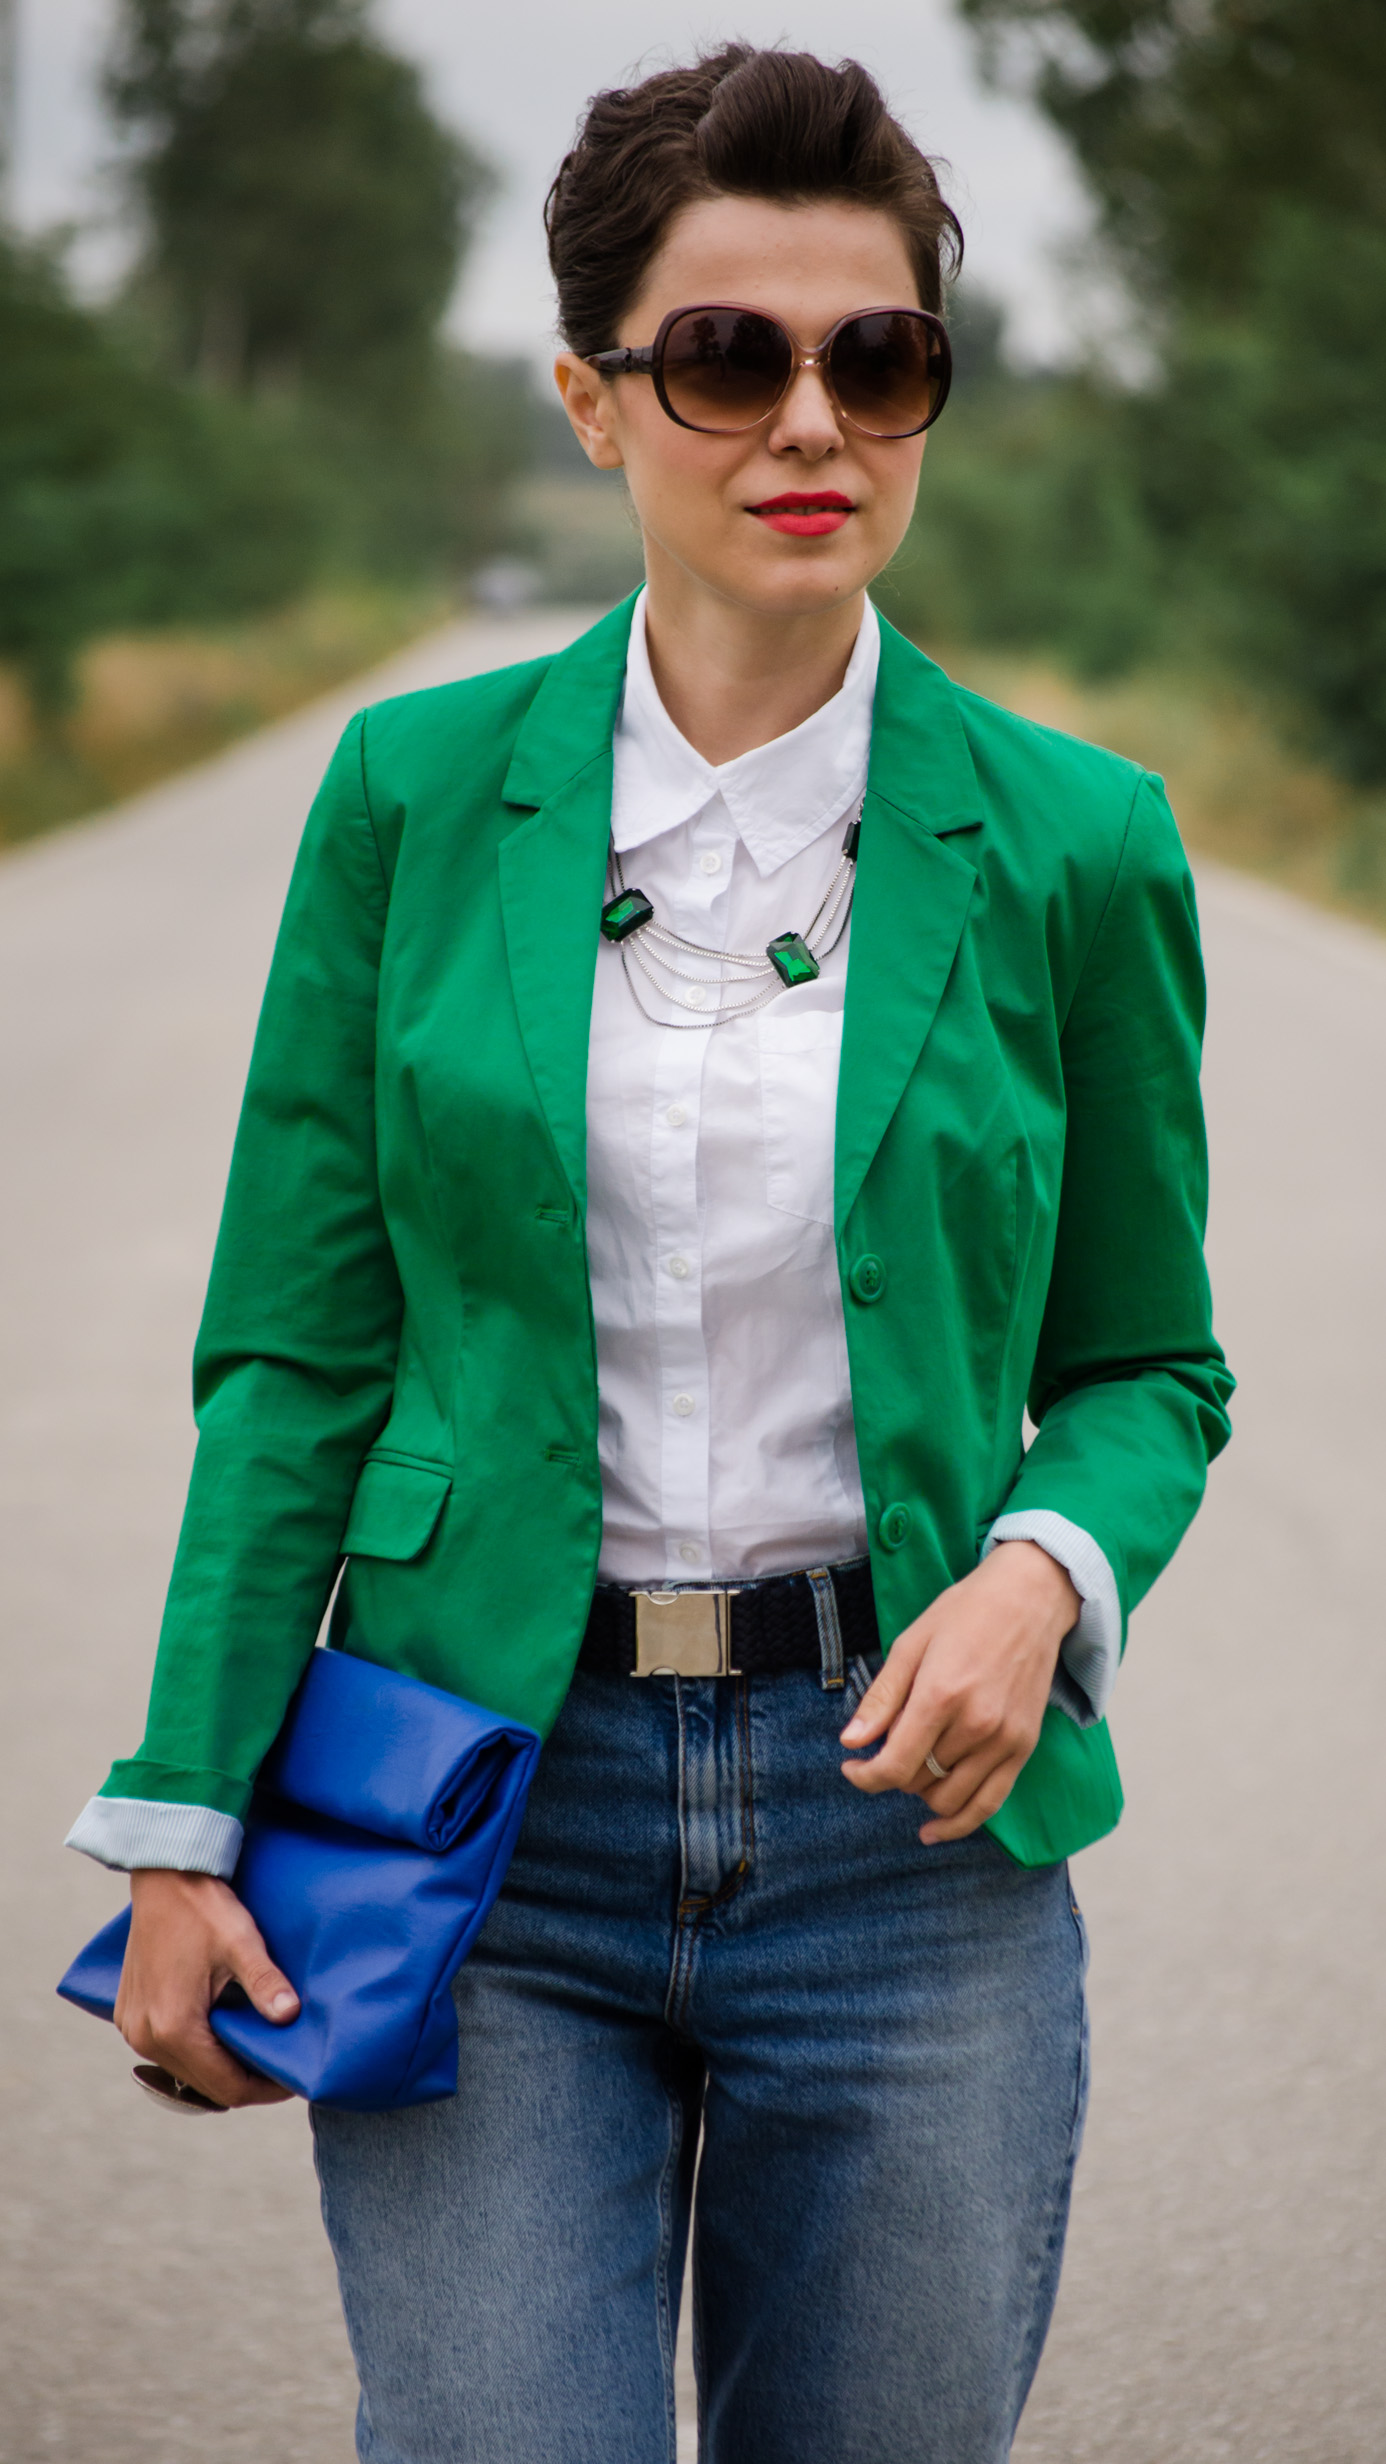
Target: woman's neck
[{"x": 731, "y": 678}]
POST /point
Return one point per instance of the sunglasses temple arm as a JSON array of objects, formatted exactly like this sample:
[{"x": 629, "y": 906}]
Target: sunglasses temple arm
[{"x": 623, "y": 363}]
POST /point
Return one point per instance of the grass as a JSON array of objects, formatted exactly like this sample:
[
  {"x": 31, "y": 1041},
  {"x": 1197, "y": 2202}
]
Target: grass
[
  {"x": 150, "y": 704},
  {"x": 1242, "y": 792}
]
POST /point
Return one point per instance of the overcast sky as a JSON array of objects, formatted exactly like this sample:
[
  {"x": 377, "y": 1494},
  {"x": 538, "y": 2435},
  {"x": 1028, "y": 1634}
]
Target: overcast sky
[{"x": 514, "y": 74}]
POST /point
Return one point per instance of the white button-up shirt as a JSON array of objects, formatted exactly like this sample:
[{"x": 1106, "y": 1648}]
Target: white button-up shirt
[{"x": 727, "y": 1444}]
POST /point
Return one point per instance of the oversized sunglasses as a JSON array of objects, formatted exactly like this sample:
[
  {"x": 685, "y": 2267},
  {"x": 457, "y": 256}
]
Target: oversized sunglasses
[{"x": 721, "y": 369}]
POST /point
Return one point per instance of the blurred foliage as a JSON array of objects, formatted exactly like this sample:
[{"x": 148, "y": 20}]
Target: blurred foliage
[
  {"x": 306, "y": 217},
  {"x": 306, "y": 213},
  {"x": 271, "y": 405},
  {"x": 1031, "y": 528},
  {"x": 123, "y": 500},
  {"x": 1264, "y": 457},
  {"x": 1196, "y": 124},
  {"x": 1230, "y": 508}
]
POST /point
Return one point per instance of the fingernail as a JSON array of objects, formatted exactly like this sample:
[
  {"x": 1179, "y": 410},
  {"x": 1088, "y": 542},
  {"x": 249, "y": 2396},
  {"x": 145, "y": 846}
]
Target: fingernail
[
  {"x": 283, "y": 2005},
  {"x": 854, "y": 1728}
]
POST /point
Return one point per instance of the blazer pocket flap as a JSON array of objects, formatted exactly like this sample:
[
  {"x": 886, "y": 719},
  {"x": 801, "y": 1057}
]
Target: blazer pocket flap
[{"x": 395, "y": 1509}]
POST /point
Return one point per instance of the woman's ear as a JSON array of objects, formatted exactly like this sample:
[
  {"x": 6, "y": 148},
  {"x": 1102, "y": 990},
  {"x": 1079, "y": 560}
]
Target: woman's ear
[{"x": 590, "y": 405}]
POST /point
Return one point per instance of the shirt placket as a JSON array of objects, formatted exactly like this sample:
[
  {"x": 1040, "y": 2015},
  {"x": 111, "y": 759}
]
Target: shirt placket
[{"x": 695, "y": 903}]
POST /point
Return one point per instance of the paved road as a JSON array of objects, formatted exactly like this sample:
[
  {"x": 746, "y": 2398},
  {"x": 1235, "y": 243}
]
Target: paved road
[{"x": 164, "y": 2292}]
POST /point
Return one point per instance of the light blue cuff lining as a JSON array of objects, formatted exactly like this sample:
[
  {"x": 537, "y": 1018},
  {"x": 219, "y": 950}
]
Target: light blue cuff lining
[
  {"x": 1090, "y": 1654},
  {"x": 131, "y": 1832}
]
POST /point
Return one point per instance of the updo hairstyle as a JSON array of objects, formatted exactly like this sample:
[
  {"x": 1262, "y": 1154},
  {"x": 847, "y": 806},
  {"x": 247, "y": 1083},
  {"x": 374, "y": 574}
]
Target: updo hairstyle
[{"x": 741, "y": 123}]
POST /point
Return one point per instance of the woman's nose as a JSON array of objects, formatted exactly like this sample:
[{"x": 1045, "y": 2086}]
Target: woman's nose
[{"x": 807, "y": 420}]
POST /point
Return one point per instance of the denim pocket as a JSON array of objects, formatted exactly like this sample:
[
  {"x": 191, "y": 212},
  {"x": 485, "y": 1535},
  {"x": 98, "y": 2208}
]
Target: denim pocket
[{"x": 1078, "y": 1924}]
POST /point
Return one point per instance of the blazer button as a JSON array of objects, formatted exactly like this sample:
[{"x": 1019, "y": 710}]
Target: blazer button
[
  {"x": 893, "y": 1529},
  {"x": 868, "y": 1278}
]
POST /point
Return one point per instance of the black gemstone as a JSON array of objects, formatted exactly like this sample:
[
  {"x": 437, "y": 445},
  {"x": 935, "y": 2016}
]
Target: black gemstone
[{"x": 849, "y": 844}]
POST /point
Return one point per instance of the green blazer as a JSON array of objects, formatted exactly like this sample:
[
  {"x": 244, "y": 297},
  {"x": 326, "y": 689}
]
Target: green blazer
[{"x": 396, "y": 1364}]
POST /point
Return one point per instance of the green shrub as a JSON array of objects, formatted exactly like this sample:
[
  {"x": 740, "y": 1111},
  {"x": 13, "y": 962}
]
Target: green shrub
[{"x": 125, "y": 499}]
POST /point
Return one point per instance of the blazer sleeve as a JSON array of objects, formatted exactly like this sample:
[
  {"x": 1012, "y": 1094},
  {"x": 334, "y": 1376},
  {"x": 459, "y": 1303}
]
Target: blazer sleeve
[
  {"x": 1130, "y": 1391},
  {"x": 295, "y": 1361}
]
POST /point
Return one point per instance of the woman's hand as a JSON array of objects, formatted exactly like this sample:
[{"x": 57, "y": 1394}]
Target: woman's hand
[
  {"x": 189, "y": 1937},
  {"x": 967, "y": 1683}
]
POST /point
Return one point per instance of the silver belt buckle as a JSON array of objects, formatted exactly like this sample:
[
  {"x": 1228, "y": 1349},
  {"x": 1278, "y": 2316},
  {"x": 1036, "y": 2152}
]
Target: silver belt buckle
[{"x": 683, "y": 1634}]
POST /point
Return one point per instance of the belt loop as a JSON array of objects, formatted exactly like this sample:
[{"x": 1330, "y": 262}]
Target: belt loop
[{"x": 832, "y": 1672}]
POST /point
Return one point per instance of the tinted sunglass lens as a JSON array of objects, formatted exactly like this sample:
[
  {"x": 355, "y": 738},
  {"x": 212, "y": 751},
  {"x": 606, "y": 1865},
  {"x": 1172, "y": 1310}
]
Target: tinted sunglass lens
[
  {"x": 725, "y": 367},
  {"x": 887, "y": 373}
]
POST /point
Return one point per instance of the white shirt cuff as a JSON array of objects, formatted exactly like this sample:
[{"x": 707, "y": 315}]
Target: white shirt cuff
[
  {"x": 131, "y": 1832},
  {"x": 1090, "y": 1653}
]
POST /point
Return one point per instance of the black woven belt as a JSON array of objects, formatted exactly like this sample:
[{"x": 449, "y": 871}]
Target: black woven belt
[{"x": 697, "y": 1630}]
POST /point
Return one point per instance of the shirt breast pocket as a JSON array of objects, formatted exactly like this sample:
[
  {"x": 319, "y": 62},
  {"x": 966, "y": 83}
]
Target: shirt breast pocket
[{"x": 799, "y": 1055}]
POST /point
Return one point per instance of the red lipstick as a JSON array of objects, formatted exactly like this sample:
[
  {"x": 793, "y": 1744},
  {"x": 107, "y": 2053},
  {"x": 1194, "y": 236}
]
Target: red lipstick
[{"x": 805, "y": 513}]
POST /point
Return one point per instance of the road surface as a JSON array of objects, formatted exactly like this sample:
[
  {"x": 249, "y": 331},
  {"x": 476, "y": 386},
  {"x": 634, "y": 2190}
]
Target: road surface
[{"x": 165, "y": 2294}]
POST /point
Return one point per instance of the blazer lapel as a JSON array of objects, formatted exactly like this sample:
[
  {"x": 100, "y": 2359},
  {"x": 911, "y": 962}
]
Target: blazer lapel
[
  {"x": 913, "y": 890},
  {"x": 553, "y": 870}
]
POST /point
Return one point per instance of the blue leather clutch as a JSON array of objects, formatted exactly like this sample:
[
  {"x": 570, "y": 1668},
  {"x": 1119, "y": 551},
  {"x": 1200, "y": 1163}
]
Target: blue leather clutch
[{"x": 381, "y": 1828}]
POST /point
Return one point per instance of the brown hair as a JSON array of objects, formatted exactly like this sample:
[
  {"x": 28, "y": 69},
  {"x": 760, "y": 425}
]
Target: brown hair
[{"x": 739, "y": 122}]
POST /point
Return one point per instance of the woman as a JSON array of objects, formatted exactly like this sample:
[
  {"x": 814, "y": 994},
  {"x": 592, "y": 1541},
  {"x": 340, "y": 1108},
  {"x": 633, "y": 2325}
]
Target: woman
[{"x": 708, "y": 1082}]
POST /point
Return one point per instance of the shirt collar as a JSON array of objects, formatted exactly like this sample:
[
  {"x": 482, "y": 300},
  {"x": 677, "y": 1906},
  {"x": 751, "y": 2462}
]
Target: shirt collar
[{"x": 780, "y": 797}]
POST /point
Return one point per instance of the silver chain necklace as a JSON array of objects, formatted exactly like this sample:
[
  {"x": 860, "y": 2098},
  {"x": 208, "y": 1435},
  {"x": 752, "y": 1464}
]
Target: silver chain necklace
[{"x": 760, "y": 976}]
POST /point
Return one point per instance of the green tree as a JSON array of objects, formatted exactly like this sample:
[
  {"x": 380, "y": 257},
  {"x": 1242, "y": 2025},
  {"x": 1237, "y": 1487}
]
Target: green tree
[
  {"x": 1262, "y": 458},
  {"x": 124, "y": 499},
  {"x": 1237, "y": 154},
  {"x": 305, "y": 217},
  {"x": 1030, "y": 528},
  {"x": 1195, "y": 126},
  {"x": 306, "y": 212}
]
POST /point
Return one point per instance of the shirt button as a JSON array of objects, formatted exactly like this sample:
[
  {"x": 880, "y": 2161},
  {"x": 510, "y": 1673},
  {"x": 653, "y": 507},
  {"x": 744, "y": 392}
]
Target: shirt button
[
  {"x": 690, "y": 1552},
  {"x": 868, "y": 1278},
  {"x": 694, "y": 997},
  {"x": 676, "y": 1116},
  {"x": 710, "y": 863},
  {"x": 893, "y": 1529},
  {"x": 683, "y": 1405},
  {"x": 679, "y": 1267}
]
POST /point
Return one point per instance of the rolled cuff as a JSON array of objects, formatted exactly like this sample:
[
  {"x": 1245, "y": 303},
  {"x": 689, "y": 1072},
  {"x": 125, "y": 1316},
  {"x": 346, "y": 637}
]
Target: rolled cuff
[
  {"x": 1090, "y": 1653},
  {"x": 132, "y": 1832}
]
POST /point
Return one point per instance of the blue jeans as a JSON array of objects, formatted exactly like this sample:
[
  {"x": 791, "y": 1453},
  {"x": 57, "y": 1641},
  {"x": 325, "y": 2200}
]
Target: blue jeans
[{"x": 884, "y": 2047}]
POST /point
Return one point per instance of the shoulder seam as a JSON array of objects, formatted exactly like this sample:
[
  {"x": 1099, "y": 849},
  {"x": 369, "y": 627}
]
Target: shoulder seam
[
  {"x": 1143, "y": 780},
  {"x": 361, "y": 718}
]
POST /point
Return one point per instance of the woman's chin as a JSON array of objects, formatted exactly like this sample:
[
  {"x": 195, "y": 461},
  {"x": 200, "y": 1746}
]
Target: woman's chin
[
  {"x": 795, "y": 586},
  {"x": 782, "y": 577}
]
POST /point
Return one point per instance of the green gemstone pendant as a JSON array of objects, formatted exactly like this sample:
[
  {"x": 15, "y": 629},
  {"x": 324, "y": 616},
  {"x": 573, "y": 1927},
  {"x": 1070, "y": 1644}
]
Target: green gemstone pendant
[
  {"x": 624, "y": 915},
  {"x": 792, "y": 959}
]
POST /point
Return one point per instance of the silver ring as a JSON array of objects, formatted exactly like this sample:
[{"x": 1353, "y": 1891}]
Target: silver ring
[
  {"x": 936, "y": 1767},
  {"x": 175, "y": 2095}
]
